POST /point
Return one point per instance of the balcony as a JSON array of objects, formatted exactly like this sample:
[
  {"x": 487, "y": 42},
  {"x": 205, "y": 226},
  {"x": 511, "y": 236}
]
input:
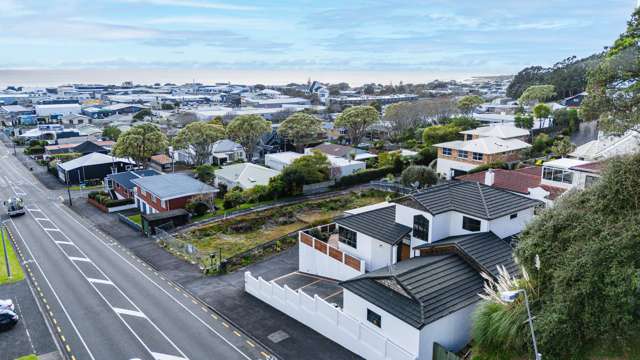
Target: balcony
[{"x": 320, "y": 254}]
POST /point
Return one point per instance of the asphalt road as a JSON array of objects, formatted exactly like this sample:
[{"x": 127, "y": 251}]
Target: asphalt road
[{"x": 102, "y": 301}]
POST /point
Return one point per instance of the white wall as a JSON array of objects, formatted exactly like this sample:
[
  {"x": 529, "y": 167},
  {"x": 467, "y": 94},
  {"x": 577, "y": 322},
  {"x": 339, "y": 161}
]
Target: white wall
[
  {"x": 312, "y": 261},
  {"x": 444, "y": 167},
  {"x": 375, "y": 253},
  {"x": 505, "y": 226},
  {"x": 328, "y": 320},
  {"x": 398, "y": 331},
  {"x": 274, "y": 163},
  {"x": 452, "y": 331}
]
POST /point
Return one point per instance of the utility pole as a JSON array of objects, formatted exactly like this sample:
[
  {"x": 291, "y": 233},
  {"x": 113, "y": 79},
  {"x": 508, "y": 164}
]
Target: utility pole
[
  {"x": 68, "y": 188},
  {"x": 6, "y": 255}
]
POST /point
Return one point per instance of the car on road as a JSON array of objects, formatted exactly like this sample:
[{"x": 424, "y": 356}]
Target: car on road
[
  {"x": 8, "y": 319},
  {"x": 7, "y": 305},
  {"x": 14, "y": 206}
]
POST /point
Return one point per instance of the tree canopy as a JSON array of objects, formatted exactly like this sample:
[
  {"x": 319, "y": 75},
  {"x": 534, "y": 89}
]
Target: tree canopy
[
  {"x": 140, "y": 115},
  {"x": 111, "y": 132},
  {"x": 199, "y": 137},
  {"x": 589, "y": 278},
  {"x": 141, "y": 142},
  {"x": 537, "y": 93},
  {"x": 562, "y": 147},
  {"x": 440, "y": 133},
  {"x": 356, "y": 120},
  {"x": 469, "y": 103},
  {"x": 524, "y": 121},
  {"x": 614, "y": 85},
  {"x": 247, "y": 130},
  {"x": 300, "y": 128},
  {"x": 419, "y": 175}
]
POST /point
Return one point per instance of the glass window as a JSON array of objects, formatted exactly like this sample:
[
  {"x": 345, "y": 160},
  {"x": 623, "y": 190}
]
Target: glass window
[
  {"x": 470, "y": 224},
  {"x": 513, "y": 216},
  {"x": 347, "y": 236},
  {"x": 558, "y": 175},
  {"x": 374, "y": 318},
  {"x": 478, "y": 156},
  {"x": 462, "y": 154},
  {"x": 421, "y": 227},
  {"x": 446, "y": 151},
  {"x": 547, "y": 173},
  {"x": 589, "y": 180}
]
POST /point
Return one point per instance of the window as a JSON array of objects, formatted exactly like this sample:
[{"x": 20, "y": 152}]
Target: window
[
  {"x": 446, "y": 151},
  {"x": 513, "y": 216},
  {"x": 347, "y": 236},
  {"x": 463, "y": 154},
  {"x": 420, "y": 227},
  {"x": 589, "y": 180},
  {"x": 374, "y": 318},
  {"x": 468, "y": 137},
  {"x": 470, "y": 224},
  {"x": 557, "y": 175},
  {"x": 478, "y": 156}
]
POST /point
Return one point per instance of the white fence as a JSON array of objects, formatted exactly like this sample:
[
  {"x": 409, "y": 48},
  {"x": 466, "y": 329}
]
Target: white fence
[{"x": 326, "y": 319}]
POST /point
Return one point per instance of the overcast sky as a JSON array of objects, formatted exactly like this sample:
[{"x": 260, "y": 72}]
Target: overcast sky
[{"x": 474, "y": 36}]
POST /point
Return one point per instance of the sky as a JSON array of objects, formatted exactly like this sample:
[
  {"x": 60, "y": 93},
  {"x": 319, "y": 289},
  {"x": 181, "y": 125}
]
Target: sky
[{"x": 291, "y": 40}]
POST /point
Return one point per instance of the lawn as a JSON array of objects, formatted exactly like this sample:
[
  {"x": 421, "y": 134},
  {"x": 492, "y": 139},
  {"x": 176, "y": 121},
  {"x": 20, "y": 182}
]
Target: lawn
[
  {"x": 14, "y": 264},
  {"x": 28, "y": 357},
  {"x": 136, "y": 218},
  {"x": 80, "y": 187},
  {"x": 242, "y": 233}
]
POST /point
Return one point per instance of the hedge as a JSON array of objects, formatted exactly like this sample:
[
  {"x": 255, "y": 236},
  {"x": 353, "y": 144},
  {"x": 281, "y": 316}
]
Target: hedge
[
  {"x": 364, "y": 176},
  {"x": 104, "y": 199}
]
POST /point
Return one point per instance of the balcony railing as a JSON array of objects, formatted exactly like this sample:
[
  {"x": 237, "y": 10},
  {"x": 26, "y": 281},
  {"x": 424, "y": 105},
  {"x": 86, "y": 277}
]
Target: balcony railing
[{"x": 325, "y": 240}]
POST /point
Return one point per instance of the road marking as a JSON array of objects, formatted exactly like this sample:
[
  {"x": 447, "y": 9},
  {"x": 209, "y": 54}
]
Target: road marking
[
  {"x": 236, "y": 333},
  {"x": 214, "y": 316},
  {"x": 250, "y": 343},
  {"x": 225, "y": 324},
  {"x": 100, "y": 281},
  {"x": 41, "y": 219},
  {"x": 129, "y": 312},
  {"x": 65, "y": 242},
  {"x": 68, "y": 347},
  {"x": 264, "y": 354},
  {"x": 159, "y": 356},
  {"x": 75, "y": 258},
  {"x": 50, "y": 229}
]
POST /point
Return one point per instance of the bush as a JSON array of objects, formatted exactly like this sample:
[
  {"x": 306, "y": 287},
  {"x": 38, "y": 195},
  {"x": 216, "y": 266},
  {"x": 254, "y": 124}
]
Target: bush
[
  {"x": 364, "y": 176},
  {"x": 484, "y": 167},
  {"x": 197, "y": 208},
  {"x": 423, "y": 175},
  {"x": 108, "y": 202},
  {"x": 233, "y": 198}
]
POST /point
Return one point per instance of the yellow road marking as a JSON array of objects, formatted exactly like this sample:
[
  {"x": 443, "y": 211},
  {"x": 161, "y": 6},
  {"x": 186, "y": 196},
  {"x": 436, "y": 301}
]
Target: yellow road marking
[
  {"x": 264, "y": 354},
  {"x": 68, "y": 348},
  {"x": 250, "y": 343},
  {"x": 193, "y": 301},
  {"x": 213, "y": 316},
  {"x": 204, "y": 309},
  {"x": 63, "y": 338},
  {"x": 225, "y": 324},
  {"x": 58, "y": 328},
  {"x": 237, "y": 333}
]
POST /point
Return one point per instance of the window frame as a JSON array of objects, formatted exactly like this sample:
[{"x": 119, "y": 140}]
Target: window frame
[
  {"x": 447, "y": 151},
  {"x": 422, "y": 232},
  {"x": 513, "y": 216},
  {"x": 374, "y": 318},
  {"x": 466, "y": 220},
  {"x": 465, "y": 152},
  {"x": 476, "y": 156},
  {"x": 346, "y": 240}
]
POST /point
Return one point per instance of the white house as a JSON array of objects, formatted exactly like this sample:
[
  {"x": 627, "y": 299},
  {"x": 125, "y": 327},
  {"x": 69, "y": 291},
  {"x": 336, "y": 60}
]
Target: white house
[
  {"x": 244, "y": 175},
  {"x": 222, "y": 152},
  {"x": 409, "y": 269},
  {"x": 339, "y": 166},
  {"x": 605, "y": 146},
  {"x": 570, "y": 173}
]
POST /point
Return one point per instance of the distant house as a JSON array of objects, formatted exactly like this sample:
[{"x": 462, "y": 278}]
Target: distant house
[
  {"x": 161, "y": 162},
  {"x": 575, "y": 100},
  {"x": 570, "y": 173},
  {"x": 244, "y": 175},
  {"x": 500, "y": 131},
  {"x": 222, "y": 152},
  {"x": 342, "y": 151},
  {"x": 120, "y": 186},
  {"x": 339, "y": 166},
  {"x": 606, "y": 146},
  {"x": 456, "y": 158},
  {"x": 83, "y": 148},
  {"x": 94, "y": 166},
  {"x": 161, "y": 193},
  {"x": 75, "y": 119}
]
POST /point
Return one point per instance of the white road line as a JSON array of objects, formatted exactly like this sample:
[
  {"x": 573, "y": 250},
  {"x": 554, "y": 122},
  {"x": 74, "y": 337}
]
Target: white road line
[
  {"x": 130, "y": 312},
  {"x": 53, "y": 291},
  {"x": 100, "y": 281},
  {"x": 65, "y": 243},
  {"x": 50, "y": 229},
  {"x": 41, "y": 219},
  {"x": 168, "y": 340},
  {"x": 75, "y": 258},
  {"x": 155, "y": 283},
  {"x": 159, "y": 356}
]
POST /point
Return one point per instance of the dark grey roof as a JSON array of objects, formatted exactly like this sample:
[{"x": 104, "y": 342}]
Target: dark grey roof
[
  {"x": 484, "y": 249},
  {"x": 420, "y": 290},
  {"x": 470, "y": 198},
  {"x": 171, "y": 186},
  {"x": 379, "y": 224},
  {"x": 124, "y": 178}
]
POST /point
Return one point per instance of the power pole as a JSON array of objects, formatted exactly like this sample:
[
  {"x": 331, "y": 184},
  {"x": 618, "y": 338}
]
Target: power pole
[{"x": 6, "y": 255}]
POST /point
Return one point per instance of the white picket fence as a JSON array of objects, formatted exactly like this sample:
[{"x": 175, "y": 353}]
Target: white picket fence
[{"x": 326, "y": 319}]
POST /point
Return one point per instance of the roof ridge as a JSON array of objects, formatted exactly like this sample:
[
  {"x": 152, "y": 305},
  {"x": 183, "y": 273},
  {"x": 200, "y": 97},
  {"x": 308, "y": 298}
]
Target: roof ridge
[{"x": 484, "y": 202}]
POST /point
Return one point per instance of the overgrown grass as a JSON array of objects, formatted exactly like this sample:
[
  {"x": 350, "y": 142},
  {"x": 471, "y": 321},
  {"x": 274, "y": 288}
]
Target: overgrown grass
[
  {"x": 242, "y": 233},
  {"x": 137, "y": 218},
  {"x": 14, "y": 264}
]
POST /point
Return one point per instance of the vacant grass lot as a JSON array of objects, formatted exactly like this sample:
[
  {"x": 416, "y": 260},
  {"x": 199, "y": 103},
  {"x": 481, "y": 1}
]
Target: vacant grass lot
[
  {"x": 14, "y": 264},
  {"x": 240, "y": 234}
]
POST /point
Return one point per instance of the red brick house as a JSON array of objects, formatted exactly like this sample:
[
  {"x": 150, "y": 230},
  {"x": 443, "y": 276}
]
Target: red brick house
[{"x": 162, "y": 193}]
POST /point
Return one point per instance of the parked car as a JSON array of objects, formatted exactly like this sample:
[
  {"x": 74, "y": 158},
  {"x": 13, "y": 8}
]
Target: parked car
[
  {"x": 7, "y": 305},
  {"x": 8, "y": 319}
]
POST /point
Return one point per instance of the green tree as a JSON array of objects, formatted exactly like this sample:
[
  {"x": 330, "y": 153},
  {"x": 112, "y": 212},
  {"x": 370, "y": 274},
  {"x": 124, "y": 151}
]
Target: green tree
[
  {"x": 140, "y": 115},
  {"x": 140, "y": 142},
  {"x": 356, "y": 120},
  {"x": 562, "y": 147},
  {"x": 247, "y": 130},
  {"x": 205, "y": 173},
  {"x": 541, "y": 142},
  {"x": 469, "y": 103},
  {"x": 541, "y": 112},
  {"x": 111, "y": 133},
  {"x": 420, "y": 175},
  {"x": 308, "y": 169},
  {"x": 614, "y": 85},
  {"x": 462, "y": 122},
  {"x": 573, "y": 120},
  {"x": 589, "y": 280},
  {"x": 440, "y": 133},
  {"x": 301, "y": 129},
  {"x": 217, "y": 121},
  {"x": 537, "y": 93},
  {"x": 561, "y": 118},
  {"x": 388, "y": 158},
  {"x": 524, "y": 121},
  {"x": 199, "y": 137},
  {"x": 376, "y": 105}
]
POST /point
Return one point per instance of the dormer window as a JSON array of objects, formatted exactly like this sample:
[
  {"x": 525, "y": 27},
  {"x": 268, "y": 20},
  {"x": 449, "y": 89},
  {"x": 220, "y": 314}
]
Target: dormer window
[{"x": 421, "y": 228}]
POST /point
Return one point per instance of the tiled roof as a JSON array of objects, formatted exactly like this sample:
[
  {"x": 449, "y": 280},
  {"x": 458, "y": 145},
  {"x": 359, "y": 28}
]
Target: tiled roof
[
  {"x": 378, "y": 223},
  {"x": 420, "y": 290},
  {"x": 161, "y": 159},
  {"x": 486, "y": 145},
  {"x": 124, "y": 178},
  {"x": 485, "y": 249},
  {"x": 520, "y": 180},
  {"x": 469, "y": 198},
  {"x": 500, "y": 131}
]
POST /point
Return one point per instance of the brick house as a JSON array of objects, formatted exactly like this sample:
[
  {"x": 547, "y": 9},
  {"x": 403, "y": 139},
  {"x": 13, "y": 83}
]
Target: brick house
[
  {"x": 120, "y": 186},
  {"x": 166, "y": 192}
]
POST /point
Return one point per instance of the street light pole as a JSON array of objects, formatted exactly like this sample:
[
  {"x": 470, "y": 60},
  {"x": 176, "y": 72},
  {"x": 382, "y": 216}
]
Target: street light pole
[
  {"x": 6, "y": 255},
  {"x": 533, "y": 334}
]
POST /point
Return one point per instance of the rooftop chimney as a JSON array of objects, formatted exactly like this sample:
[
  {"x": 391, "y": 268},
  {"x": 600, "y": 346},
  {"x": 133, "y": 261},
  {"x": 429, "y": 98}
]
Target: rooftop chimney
[{"x": 489, "y": 177}]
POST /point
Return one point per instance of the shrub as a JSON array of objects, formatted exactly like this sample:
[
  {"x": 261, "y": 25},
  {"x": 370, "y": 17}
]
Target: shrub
[
  {"x": 363, "y": 176},
  {"x": 423, "y": 175},
  {"x": 484, "y": 167},
  {"x": 233, "y": 198},
  {"x": 108, "y": 202},
  {"x": 197, "y": 208}
]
